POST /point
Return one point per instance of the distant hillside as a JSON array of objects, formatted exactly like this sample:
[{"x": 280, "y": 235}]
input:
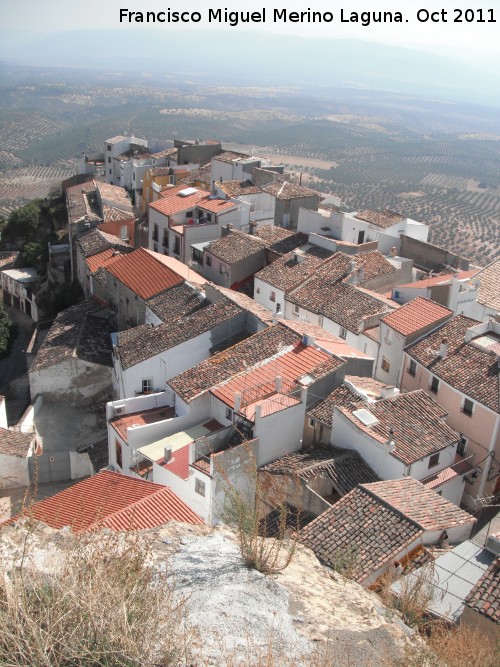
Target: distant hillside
[{"x": 259, "y": 57}]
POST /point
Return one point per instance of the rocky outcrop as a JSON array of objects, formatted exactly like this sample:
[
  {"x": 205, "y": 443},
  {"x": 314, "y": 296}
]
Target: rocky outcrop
[{"x": 305, "y": 615}]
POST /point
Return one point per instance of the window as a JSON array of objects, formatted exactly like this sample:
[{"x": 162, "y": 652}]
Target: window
[
  {"x": 396, "y": 295},
  {"x": 209, "y": 217},
  {"x": 434, "y": 385},
  {"x": 229, "y": 414},
  {"x": 434, "y": 460},
  {"x": 257, "y": 290},
  {"x": 386, "y": 365},
  {"x": 199, "y": 486},
  {"x": 320, "y": 320},
  {"x": 462, "y": 446},
  {"x": 468, "y": 407},
  {"x": 189, "y": 214},
  {"x": 155, "y": 247},
  {"x": 273, "y": 296},
  {"x": 343, "y": 333},
  {"x": 109, "y": 147},
  {"x": 118, "y": 454},
  {"x": 208, "y": 260},
  {"x": 147, "y": 386},
  {"x": 109, "y": 160},
  {"x": 110, "y": 171},
  {"x": 412, "y": 367},
  {"x": 133, "y": 176},
  {"x": 310, "y": 422},
  {"x": 296, "y": 310},
  {"x": 155, "y": 232}
]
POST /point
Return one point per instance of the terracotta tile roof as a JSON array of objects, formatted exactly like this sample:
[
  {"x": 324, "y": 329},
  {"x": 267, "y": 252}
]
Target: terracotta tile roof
[
  {"x": 291, "y": 366},
  {"x": 416, "y": 421},
  {"x": 279, "y": 240},
  {"x": 422, "y": 505},
  {"x": 82, "y": 203},
  {"x": 485, "y": 596},
  {"x": 14, "y": 443},
  {"x": 364, "y": 528},
  {"x": 269, "y": 406},
  {"x": 416, "y": 315},
  {"x": 178, "y": 267},
  {"x": 489, "y": 290},
  {"x": 155, "y": 340},
  {"x": 466, "y": 367},
  {"x": 286, "y": 517},
  {"x": 245, "y": 302},
  {"x": 373, "y": 265},
  {"x": 173, "y": 202},
  {"x": 286, "y": 273},
  {"x": 458, "y": 468},
  {"x": 81, "y": 331},
  {"x": 323, "y": 411},
  {"x": 383, "y": 219},
  {"x": 179, "y": 301},
  {"x": 373, "y": 333},
  {"x": 93, "y": 242},
  {"x": 114, "y": 195},
  {"x": 113, "y": 214},
  {"x": 230, "y": 156},
  {"x": 222, "y": 366},
  {"x": 168, "y": 152},
  {"x": 235, "y": 247},
  {"x": 324, "y": 339},
  {"x": 441, "y": 279},
  {"x": 143, "y": 273},
  {"x": 100, "y": 260},
  {"x": 237, "y": 188},
  {"x": 285, "y": 190},
  {"x": 122, "y": 423},
  {"x": 200, "y": 175},
  {"x": 344, "y": 304},
  {"x": 115, "y": 501},
  {"x": 344, "y": 467}
]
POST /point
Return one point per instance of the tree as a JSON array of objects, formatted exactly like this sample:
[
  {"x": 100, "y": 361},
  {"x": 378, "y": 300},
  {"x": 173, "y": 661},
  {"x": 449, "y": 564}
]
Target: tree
[
  {"x": 23, "y": 222},
  {"x": 32, "y": 255},
  {"x": 6, "y": 332}
]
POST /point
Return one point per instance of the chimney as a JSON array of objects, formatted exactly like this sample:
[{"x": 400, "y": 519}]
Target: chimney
[
  {"x": 167, "y": 454},
  {"x": 394, "y": 251},
  {"x": 258, "y": 411},
  {"x": 443, "y": 348},
  {"x": 237, "y": 402},
  {"x": 361, "y": 274},
  {"x": 390, "y": 441},
  {"x": 352, "y": 266},
  {"x": 278, "y": 383},
  {"x": 308, "y": 340}
]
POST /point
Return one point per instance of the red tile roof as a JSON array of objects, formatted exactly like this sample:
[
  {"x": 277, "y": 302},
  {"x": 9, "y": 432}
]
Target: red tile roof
[
  {"x": 270, "y": 405},
  {"x": 416, "y": 315},
  {"x": 172, "y": 202},
  {"x": 422, "y": 505},
  {"x": 179, "y": 268},
  {"x": 291, "y": 366},
  {"x": 485, "y": 596},
  {"x": 112, "y": 500},
  {"x": 441, "y": 280},
  {"x": 466, "y": 367},
  {"x": 179, "y": 463},
  {"x": 383, "y": 219},
  {"x": 416, "y": 421},
  {"x": 143, "y": 273},
  {"x": 99, "y": 260}
]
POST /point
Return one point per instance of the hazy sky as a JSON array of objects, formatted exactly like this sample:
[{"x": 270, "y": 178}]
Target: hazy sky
[{"x": 464, "y": 40}]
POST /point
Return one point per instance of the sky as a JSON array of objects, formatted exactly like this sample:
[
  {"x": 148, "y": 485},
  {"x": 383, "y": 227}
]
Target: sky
[{"x": 473, "y": 41}]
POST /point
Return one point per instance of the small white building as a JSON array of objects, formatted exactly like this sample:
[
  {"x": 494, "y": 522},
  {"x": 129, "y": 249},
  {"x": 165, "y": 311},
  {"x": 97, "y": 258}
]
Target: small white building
[
  {"x": 384, "y": 227},
  {"x": 18, "y": 287},
  {"x": 115, "y": 147},
  {"x": 15, "y": 450}
]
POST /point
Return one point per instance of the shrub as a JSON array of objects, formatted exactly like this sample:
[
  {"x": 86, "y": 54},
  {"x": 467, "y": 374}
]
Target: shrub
[{"x": 102, "y": 605}]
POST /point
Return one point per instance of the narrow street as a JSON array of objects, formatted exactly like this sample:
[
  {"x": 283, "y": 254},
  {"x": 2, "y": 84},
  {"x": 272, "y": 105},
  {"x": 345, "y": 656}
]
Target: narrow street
[{"x": 13, "y": 369}]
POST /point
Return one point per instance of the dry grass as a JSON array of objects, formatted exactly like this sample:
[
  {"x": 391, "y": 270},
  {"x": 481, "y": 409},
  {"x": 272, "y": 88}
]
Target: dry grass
[
  {"x": 102, "y": 604},
  {"x": 464, "y": 647}
]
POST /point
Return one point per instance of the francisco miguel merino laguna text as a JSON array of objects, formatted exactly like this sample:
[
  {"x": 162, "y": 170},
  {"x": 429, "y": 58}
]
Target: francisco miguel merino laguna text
[{"x": 234, "y": 18}]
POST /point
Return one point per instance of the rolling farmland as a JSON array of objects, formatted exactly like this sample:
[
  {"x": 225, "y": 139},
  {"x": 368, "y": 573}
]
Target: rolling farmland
[{"x": 381, "y": 157}]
